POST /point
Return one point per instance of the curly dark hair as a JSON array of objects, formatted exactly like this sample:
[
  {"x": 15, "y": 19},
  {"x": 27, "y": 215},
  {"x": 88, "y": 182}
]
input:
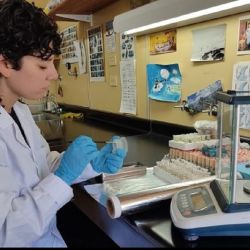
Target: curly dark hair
[{"x": 26, "y": 30}]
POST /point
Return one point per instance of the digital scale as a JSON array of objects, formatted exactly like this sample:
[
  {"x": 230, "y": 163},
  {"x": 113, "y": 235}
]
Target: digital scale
[{"x": 222, "y": 207}]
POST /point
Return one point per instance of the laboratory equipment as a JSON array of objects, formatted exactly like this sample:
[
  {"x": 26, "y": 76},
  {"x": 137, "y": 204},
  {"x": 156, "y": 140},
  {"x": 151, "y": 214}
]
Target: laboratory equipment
[{"x": 222, "y": 207}]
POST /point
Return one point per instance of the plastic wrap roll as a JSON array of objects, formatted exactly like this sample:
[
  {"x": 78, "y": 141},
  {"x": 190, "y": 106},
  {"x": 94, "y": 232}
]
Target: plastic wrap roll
[
  {"x": 126, "y": 172},
  {"x": 135, "y": 202}
]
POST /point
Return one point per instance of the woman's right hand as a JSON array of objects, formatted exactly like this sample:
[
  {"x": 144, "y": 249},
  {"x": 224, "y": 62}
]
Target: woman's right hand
[{"x": 75, "y": 159}]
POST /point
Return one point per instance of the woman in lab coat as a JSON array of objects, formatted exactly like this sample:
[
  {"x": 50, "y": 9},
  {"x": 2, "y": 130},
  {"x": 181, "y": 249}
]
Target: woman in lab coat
[{"x": 34, "y": 182}]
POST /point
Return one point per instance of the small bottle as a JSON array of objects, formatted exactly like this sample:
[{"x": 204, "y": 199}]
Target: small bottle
[{"x": 120, "y": 143}]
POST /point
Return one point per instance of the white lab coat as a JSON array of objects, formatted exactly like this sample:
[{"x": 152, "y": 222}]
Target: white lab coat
[{"x": 30, "y": 194}]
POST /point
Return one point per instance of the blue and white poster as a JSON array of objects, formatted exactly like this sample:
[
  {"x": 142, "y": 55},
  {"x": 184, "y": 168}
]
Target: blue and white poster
[{"x": 164, "y": 82}]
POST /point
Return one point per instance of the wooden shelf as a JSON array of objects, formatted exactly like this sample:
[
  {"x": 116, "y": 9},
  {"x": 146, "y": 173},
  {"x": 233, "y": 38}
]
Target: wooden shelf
[{"x": 86, "y": 7}]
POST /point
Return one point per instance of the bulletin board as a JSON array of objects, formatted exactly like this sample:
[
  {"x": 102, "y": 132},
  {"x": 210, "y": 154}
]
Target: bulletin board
[{"x": 106, "y": 96}]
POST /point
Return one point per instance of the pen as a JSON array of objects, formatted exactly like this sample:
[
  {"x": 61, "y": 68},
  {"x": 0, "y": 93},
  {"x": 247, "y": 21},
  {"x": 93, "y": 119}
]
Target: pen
[{"x": 103, "y": 141}]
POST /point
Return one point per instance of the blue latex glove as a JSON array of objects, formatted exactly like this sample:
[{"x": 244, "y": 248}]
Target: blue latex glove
[
  {"x": 80, "y": 152},
  {"x": 108, "y": 161}
]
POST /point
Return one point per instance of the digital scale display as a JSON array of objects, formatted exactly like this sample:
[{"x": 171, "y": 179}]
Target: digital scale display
[
  {"x": 195, "y": 202},
  {"x": 198, "y": 201}
]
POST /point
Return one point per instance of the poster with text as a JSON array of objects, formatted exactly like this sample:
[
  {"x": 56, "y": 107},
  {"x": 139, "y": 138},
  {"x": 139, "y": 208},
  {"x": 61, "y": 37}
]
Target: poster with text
[
  {"x": 68, "y": 49},
  {"x": 241, "y": 82},
  {"x": 127, "y": 44},
  {"x": 128, "y": 85},
  {"x": 96, "y": 55},
  {"x": 110, "y": 37}
]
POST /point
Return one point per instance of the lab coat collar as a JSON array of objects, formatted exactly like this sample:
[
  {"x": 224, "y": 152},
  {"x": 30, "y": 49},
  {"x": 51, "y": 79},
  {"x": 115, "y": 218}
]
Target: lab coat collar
[
  {"x": 6, "y": 121},
  {"x": 22, "y": 115},
  {"x": 5, "y": 118}
]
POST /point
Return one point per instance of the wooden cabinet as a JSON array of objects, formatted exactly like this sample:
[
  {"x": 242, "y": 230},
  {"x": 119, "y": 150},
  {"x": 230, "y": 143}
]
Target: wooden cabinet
[{"x": 86, "y": 7}]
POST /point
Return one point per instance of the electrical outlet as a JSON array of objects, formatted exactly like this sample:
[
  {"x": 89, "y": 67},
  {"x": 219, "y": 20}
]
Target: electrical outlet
[
  {"x": 113, "y": 81},
  {"x": 112, "y": 60}
]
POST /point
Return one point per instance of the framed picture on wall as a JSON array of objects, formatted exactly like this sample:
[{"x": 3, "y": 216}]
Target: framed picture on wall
[
  {"x": 244, "y": 36},
  {"x": 96, "y": 55}
]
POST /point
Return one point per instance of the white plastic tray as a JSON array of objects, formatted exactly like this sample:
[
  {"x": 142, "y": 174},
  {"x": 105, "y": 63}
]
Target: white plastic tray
[
  {"x": 185, "y": 145},
  {"x": 190, "y": 146}
]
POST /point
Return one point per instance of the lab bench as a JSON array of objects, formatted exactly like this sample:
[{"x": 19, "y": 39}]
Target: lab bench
[{"x": 151, "y": 227}]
